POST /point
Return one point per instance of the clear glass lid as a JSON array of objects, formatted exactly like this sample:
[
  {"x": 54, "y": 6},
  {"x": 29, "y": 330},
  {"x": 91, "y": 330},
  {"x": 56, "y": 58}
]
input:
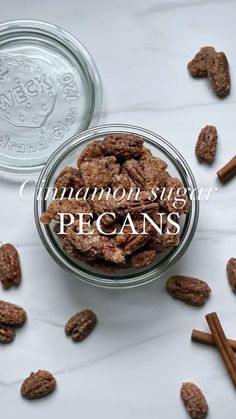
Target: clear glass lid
[{"x": 50, "y": 90}]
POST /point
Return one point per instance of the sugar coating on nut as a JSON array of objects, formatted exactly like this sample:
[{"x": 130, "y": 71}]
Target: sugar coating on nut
[
  {"x": 214, "y": 65},
  {"x": 207, "y": 144},
  {"x": 11, "y": 314},
  {"x": 7, "y": 334},
  {"x": 10, "y": 270},
  {"x": 125, "y": 146},
  {"x": 231, "y": 271},
  {"x": 194, "y": 401},
  {"x": 190, "y": 290},
  {"x": 81, "y": 325},
  {"x": 127, "y": 172},
  {"x": 39, "y": 384},
  {"x": 99, "y": 172}
]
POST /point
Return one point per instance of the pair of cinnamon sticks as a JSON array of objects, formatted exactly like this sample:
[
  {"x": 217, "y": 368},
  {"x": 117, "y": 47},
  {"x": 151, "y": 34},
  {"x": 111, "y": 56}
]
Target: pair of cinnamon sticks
[{"x": 217, "y": 338}]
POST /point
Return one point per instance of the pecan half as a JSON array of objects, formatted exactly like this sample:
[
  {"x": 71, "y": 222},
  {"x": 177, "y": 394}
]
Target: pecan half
[
  {"x": 154, "y": 172},
  {"x": 135, "y": 172},
  {"x": 10, "y": 270},
  {"x": 231, "y": 270},
  {"x": 7, "y": 334},
  {"x": 175, "y": 198},
  {"x": 94, "y": 244},
  {"x": 190, "y": 290},
  {"x": 81, "y": 325},
  {"x": 99, "y": 172},
  {"x": 92, "y": 151},
  {"x": 126, "y": 146},
  {"x": 39, "y": 384},
  {"x": 71, "y": 206},
  {"x": 206, "y": 144},
  {"x": 11, "y": 314},
  {"x": 198, "y": 66},
  {"x": 194, "y": 401},
  {"x": 208, "y": 62},
  {"x": 218, "y": 74},
  {"x": 143, "y": 258}
]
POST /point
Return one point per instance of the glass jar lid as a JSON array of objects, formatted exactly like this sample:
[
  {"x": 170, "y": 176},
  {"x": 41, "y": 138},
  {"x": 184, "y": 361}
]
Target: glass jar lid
[{"x": 50, "y": 90}]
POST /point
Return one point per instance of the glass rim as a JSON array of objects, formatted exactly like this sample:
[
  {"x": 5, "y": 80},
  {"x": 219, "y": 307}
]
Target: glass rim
[
  {"x": 77, "y": 49},
  {"x": 187, "y": 233}
]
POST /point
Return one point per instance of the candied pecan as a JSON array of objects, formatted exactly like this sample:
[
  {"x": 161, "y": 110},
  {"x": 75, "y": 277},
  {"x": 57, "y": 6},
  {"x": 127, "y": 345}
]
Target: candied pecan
[
  {"x": 208, "y": 62},
  {"x": 81, "y": 325},
  {"x": 218, "y": 74},
  {"x": 92, "y": 151},
  {"x": 134, "y": 242},
  {"x": 10, "y": 270},
  {"x": 94, "y": 244},
  {"x": 7, "y": 334},
  {"x": 71, "y": 206},
  {"x": 206, "y": 144},
  {"x": 231, "y": 270},
  {"x": 125, "y": 206},
  {"x": 68, "y": 182},
  {"x": 190, "y": 290},
  {"x": 125, "y": 146},
  {"x": 154, "y": 172},
  {"x": 143, "y": 258},
  {"x": 39, "y": 384},
  {"x": 168, "y": 239},
  {"x": 194, "y": 401},
  {"x": 11, "y": 314},
  {"x": 175, "y": 198},
  {"x": 135, "y": 172},
  {"x": 99, "y": 172},
  {"x": 122, "y": 181},
  {"x": 145, "y": 153},
  {"x": 198, "y": 66}
]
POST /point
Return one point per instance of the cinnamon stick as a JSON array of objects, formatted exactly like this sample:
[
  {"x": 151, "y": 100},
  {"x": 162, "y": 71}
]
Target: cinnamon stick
[
  {"x": 222, "y": 344},
  {"x": 207, "y": 339},
  {"x": 228, "y": 171}
]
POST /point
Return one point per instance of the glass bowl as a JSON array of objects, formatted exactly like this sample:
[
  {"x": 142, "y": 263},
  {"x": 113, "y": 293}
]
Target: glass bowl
[{"x": 67, "y": 155}]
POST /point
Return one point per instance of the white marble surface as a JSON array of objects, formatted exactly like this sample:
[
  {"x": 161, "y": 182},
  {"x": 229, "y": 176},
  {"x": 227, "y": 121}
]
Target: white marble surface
[{"x": 133, "y": 364}]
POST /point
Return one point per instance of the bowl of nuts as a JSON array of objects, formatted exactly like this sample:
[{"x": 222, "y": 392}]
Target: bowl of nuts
[{"x": 116, "y": 206}]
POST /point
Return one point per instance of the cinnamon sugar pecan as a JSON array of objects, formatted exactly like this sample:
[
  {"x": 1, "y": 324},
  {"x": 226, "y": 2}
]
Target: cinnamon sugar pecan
[
  {"x": 10, "y": 270},
  {"x": 99, "y": 172},
  {"x": 206, "y": 144},
  {"x": 231, "y": 270},
  {"x": 122, "y": 181},
  {"x": 214, "y": 65},
  {"x": 194, "y": 401},
  {"x": 119, "y": 175},
  {"x": 39, "y": 384},
  {"x": 135, "y": 172},
  {"x": 94, "y": 244},
  {"x": 218, "y": 74},
  {"x": 11, "y": 314},
  {"x": 68, "y": 182},
  {"x": 191, "y": 291},
  {"x": 93, "y": 151},
  {"x": 198, "y": 66},
  {"x": 143, "y": 258},
  {"x": 7, "y": 334},
  {"x": 126, "y": 146},
  {"x": 175, "y": 198},
  {"x": 71, "y": 206},
  {"x": 81, "y": 325}
]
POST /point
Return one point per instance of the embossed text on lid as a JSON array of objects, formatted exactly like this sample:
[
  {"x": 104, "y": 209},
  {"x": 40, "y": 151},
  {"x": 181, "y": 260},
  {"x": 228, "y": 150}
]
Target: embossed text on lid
[{"x": 49, "y": 91}]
